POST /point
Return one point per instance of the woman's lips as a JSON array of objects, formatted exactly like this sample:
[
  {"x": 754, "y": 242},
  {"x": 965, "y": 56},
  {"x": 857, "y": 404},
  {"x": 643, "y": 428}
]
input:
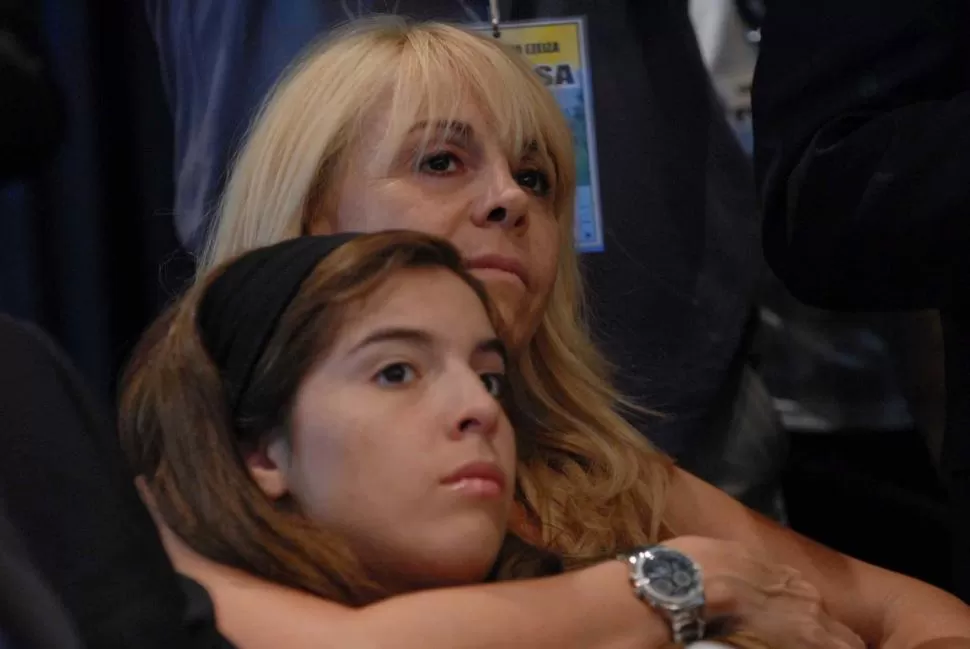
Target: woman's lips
[
  {"x": 500, "y": 264},
  {"x": 479, "y": 478}
]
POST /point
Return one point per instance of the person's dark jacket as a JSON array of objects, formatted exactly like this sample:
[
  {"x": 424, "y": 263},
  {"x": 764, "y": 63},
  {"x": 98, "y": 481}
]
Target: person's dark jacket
[
  {"x": 31, "y": 615},
  {"x": 862, "y": 154},
  {"x": 87, "y": 539},
  {"x": 31, "y": 115}
]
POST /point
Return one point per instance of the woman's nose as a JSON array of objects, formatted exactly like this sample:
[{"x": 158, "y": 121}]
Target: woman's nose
[
  {"x": 505, "y": 203},
  {"x": 479, "y": 411}
]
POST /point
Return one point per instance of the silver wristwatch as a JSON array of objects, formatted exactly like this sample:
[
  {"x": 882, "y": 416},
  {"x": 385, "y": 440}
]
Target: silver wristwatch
[{"x": 671, "y": 583}]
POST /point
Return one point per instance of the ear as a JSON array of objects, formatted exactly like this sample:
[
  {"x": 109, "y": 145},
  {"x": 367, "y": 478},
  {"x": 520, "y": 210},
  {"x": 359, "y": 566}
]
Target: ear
[{"x": 268, "y": 465}]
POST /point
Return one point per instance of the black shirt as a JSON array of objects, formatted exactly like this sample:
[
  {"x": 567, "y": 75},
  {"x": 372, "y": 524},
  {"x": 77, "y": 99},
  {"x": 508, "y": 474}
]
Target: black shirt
[{"x": 862, "y": 145}]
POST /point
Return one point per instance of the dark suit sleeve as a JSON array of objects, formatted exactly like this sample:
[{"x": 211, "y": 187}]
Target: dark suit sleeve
[
  {"x": 862, "y": 135},
  {"x": 68, "y": 492},
  {"x": 30, "y": 614},
  {"x": 32, "y": 119}
]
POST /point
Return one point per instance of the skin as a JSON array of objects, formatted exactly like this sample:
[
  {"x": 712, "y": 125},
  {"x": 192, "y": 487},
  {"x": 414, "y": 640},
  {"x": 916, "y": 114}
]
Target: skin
[
  {"x": 464, "y": 182},
  {"x": 403, "y": 399}
]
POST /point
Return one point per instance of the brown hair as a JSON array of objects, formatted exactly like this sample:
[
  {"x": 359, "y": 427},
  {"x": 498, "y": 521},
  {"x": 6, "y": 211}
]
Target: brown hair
[{"x": 178, "y": 433}]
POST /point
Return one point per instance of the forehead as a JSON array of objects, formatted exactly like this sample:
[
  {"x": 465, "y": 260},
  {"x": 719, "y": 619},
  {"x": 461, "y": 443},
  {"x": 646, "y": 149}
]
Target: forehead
[
  {"x": 503, "y": 104},
  {"x": 388, "y": 130},
  {"x": 433, "y": 300}
]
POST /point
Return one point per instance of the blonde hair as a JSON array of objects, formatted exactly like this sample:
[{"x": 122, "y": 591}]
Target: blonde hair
[{"x": 593, "y": 483}]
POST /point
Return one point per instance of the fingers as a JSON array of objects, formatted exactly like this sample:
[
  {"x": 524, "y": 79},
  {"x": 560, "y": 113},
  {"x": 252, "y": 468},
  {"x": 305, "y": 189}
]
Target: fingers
[
  {"x": 791, "y": 615},
  {"x": 844, "y": 637}
]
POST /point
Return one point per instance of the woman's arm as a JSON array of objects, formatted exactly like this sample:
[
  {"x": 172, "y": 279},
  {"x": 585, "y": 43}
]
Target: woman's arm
[
  {"x": 886, "y": 609},
  {"x": 593, "y": 608}
]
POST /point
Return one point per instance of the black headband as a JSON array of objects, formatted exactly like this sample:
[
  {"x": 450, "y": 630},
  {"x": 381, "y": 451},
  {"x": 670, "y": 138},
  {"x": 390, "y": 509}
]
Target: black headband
[{"x": 241, "y": 307}]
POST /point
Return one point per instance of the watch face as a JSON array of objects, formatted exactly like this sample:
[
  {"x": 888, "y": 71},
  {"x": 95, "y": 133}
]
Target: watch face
[{"x": 669, "y": 576}]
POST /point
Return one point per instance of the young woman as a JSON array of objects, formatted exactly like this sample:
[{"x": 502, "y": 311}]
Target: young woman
[
  {"x": 327, "y": 413},
  {"x": 435, "y": 129},
  {"x": 331, "y": 414}
]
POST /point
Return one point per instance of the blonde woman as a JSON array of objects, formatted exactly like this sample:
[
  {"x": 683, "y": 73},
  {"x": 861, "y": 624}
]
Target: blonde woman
[
  {"x": 678, "y": 204},
  {"x": 431, "y": 128}
]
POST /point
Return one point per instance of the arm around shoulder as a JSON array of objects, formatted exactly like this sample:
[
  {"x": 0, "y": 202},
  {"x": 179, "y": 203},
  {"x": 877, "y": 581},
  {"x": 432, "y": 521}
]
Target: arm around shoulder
[{"x": 592, "y": 608}]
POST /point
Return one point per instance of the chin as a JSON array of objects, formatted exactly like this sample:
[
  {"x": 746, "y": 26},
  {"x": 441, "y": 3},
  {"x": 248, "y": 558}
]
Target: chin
[
  {"x": 516, "y": 329},
  {"x": 457, "y": 559},
  {"x": 462, "y": 571},
  {"x": 427, "y": 570}
]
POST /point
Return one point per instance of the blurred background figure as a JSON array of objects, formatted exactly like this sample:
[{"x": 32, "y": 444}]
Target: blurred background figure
[
  {"x": 728, "y": 35},
  {"x": 31, "y": 129},
  {"x": 843, "y": 384},
  {"x": 81, "y": 246},
  {"x": 31, "y": 114},
  {"x": 861, "y": 113}
]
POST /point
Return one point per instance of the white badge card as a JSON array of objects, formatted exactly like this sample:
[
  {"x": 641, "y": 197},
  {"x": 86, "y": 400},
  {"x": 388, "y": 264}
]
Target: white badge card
[{"x": 557, "y": 50}]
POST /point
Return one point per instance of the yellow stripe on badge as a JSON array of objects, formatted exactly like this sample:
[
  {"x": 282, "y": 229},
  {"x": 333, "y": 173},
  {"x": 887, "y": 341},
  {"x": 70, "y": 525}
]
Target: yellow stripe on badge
[{"x": 553, "y": 49}]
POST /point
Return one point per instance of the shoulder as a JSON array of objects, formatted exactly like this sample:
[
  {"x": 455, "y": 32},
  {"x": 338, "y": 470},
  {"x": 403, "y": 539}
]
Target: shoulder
[
  {"x": 36, "y": 376},
  {"x": 21, "y": 338},
  {"x": 32, "y": 361}
]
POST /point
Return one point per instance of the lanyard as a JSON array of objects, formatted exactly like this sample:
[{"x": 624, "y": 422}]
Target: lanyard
[{"x": 494, "y": 15}]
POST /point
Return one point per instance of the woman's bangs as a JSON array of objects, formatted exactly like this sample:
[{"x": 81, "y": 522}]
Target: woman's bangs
[
  {"x": 436, "y": 78},
  {"x": 424, "y": 101},
  {"x": 515, "y": 107}
]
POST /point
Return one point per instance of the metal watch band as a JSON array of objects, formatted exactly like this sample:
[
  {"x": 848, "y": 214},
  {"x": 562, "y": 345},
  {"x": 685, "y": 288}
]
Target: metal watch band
[{"x": 687, "y": 627}]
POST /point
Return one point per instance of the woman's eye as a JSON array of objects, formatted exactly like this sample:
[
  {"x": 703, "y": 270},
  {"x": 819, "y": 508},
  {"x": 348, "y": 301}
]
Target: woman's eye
[
  {"x": 396, "y": 374},
  {"x": 440, "y": 163},
  {"x": 535, "y": 181},
  {"x": 495, "y": 384}
]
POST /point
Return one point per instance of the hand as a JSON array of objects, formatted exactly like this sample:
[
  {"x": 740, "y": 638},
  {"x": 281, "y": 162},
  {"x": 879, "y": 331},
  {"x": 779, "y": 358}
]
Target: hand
[{"x": 770, "y": 601}]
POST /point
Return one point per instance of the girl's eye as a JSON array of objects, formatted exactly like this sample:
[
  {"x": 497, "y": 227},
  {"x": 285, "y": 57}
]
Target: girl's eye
[
  {"x": 495, "y": 384},
  {"x": 535, "y": 181},
  {"x": 440, "y": 163},
  {"x": 396, "y": 374}
]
